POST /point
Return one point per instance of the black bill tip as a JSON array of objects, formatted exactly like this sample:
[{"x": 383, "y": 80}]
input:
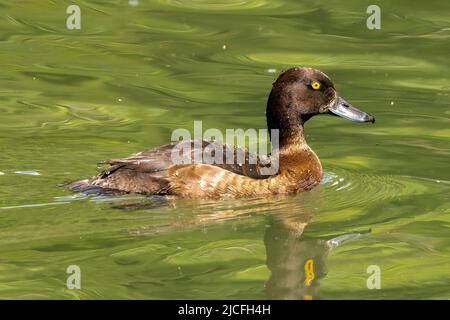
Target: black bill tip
[{"x": 369, "y": 118}]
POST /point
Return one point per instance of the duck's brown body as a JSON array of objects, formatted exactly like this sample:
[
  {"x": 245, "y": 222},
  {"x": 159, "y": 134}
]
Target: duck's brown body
[
  {"x": 148, "y": 173},
  {"x": 296, "y": 96}
]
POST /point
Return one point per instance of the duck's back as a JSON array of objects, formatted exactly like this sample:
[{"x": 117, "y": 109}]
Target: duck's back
[{"x": 155, "y": 172}]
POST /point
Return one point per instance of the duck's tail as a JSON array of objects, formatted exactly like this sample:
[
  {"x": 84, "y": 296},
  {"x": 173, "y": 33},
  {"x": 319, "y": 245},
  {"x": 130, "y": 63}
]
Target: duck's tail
[{"x": 85, "y": 187}]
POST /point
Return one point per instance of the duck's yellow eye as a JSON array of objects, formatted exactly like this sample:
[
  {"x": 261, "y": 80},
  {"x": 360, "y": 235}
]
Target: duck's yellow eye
[{"x": 315, "y": 85}]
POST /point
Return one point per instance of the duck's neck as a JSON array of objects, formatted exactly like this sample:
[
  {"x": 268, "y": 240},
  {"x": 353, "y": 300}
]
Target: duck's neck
[
  {"x": 295, "y": 154},
  {"x": 299, "y": 166},
  {"x": 290, "y": 136},
  {"x": 283, "y": 115}
]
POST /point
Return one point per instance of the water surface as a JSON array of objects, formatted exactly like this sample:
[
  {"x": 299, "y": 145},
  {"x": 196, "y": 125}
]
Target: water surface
[{"x": 132, "y": 74}]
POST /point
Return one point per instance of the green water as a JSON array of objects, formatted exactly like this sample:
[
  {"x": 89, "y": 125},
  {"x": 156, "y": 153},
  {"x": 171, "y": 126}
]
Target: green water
[{"x": 132, "y": 74}]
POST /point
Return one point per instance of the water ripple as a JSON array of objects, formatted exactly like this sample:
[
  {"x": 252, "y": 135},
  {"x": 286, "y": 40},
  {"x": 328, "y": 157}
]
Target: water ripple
[
  {"x": 28, "y": 172},
  {"x": 349, "y": 188}
]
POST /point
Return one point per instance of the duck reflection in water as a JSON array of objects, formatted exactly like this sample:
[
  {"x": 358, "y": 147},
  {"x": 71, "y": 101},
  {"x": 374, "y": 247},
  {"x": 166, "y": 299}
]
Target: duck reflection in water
[{"x": 297, "y": 262}]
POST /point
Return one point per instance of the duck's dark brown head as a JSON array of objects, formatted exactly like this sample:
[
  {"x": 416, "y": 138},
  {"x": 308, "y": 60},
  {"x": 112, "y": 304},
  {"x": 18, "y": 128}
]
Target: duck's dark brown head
[{"x": 300, "y": 93}]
